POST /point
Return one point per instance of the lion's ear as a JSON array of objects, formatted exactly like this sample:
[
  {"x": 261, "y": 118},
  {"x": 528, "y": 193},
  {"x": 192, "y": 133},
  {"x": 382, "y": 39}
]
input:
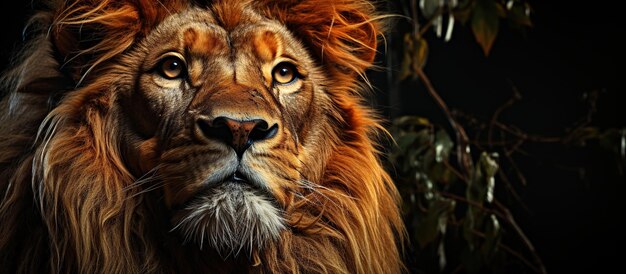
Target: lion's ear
[
  {"x": 341, "y": 33},
  {"x": 86, "y": 33}
]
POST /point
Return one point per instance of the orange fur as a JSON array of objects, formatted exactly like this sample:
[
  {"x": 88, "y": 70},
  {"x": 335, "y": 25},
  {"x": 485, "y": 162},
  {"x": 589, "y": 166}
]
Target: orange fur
[{"x": 61, "y": 147}]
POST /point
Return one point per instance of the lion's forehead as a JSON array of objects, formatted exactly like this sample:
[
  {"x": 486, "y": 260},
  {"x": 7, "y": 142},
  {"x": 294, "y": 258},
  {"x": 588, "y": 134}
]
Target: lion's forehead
[{"x": 217, "y": 50}]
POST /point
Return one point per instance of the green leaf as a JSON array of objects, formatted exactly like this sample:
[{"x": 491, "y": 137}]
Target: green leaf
[
  {"x": 429, "y": 160},
  {"x": 482, "y": 184},
  {"x": 427, "y": 186},
  {"x": 463, "y": 4},
  {"x": 406, "y": 121},
  {"x": 407, "y": 59},
  {"x": 479, "y": 190},
  {"x": 614, "y": 140},
  {"x": 581, "y": 136},
  {"x": 429, "y": 7},
  {"x": 421, "y": 54},
  {"x": 472, "y": 222},
  {"x": 489, "y": 166},
  {"x": 435, "y": 222},
  {"x": 443, "y": 146},
  {"x": 406, "y": 140},
  {"x": 622, "y": 144},
  {"x": 501, "y": 10},
  {"x": 485, "y": 23},
  {"x": 472, "y": 261},
  {"x": 448, "y": 176},
  {"x": 622, "y": 152},
  {"x": 414, "y": 56},
  {"x": 441, "y": 253},
  {"x": 462, "y": 15},
  {"x": 493, "y": 235},
  {"x": 520, "y": 14}
]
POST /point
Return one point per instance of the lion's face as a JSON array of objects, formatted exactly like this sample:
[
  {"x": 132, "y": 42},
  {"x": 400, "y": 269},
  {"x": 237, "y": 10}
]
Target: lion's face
[
  {"x": 142, "y": 136},
  {"x": 220, "y": 115}
]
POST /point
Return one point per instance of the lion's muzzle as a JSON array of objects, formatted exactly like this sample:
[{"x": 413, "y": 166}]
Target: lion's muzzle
[{"x": 239, "y": 134}]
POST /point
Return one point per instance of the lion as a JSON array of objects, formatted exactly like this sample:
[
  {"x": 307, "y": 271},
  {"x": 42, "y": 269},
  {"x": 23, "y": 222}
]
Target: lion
[{"x": 181, "y": 136}]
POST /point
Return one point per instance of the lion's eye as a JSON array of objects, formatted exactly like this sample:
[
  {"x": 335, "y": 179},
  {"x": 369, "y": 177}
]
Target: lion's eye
[
  {"x": 284, "y": 73},
  {"x": 172, "y": 67}
]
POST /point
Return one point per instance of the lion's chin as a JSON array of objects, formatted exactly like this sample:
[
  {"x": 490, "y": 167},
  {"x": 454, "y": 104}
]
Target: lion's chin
[{"x": 229, "y": 218}]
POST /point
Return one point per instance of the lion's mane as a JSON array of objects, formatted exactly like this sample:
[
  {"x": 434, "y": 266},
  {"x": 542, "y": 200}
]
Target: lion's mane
[{"x": 69, "y": 203}]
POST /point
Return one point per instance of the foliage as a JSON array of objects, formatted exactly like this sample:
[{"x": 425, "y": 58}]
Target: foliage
[
  {"x": 454, "y": 215},
  {"x": 454, "y": 218},
  {"x": 435, "y": 211},
  {"x": 484, "y": 16}
]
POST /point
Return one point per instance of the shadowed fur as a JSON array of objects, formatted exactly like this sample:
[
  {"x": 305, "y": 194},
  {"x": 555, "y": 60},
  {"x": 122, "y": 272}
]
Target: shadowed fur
[{"x": 182, "y": 136}]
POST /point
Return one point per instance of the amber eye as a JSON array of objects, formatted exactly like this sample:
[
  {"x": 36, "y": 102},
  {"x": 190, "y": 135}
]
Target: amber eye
[
  {"x": 284, "y": 73},
  {"x": 172, "y": 67}
]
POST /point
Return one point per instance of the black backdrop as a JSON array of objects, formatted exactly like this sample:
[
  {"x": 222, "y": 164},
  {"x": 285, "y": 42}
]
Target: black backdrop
[{"x": 573, "y": 48}]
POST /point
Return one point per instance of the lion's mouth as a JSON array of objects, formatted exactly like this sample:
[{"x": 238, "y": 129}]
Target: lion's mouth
[
  {"x": 229, "y": 216},
  {"x": 235, "y": 182},
  {"x": 242, "y": 180}
]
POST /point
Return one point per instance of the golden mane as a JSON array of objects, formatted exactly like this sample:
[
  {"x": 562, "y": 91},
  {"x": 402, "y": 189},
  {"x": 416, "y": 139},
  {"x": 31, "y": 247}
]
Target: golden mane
[{"x": 69, "y": 202}]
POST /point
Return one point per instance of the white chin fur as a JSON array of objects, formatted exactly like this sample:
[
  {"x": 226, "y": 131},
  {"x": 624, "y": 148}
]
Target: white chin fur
[{"x": 230, "y": 218}]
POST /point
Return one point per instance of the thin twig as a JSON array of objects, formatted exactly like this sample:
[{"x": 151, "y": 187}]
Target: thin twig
[
  {"x": 585, "y": 121},
  {"x": 456, "y": 172},
  {"x": 509, "y": 187},
  {"x": 504, "y": 214},
  {"x": 416, "y": 22},
  {"x": 509, "y": 129},
  {"x": 472, "y": 203},
  {"x": 509, "y": 218},
  {"x": 518, "y": 171},
  {"x": 510, "y": 251},
  {"x": 463, "y": 156},
  {"x": 521, "y": 258},
  {"x": 523, "y": 135},
  {"x": 494, "y": 118}
]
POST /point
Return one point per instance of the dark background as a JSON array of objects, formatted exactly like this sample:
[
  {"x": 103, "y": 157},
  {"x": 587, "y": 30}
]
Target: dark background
[
  {"x": 574, "y": 197},
  {"x": 573, "y": 48}
]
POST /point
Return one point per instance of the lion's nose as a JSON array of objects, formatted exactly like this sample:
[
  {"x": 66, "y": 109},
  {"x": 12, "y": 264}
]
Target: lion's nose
[{"x": 239, "y": 134}]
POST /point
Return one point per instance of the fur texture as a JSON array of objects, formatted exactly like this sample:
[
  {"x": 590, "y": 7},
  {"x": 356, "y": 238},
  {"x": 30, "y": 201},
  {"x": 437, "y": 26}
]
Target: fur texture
[{"x": 109, "y": 164}]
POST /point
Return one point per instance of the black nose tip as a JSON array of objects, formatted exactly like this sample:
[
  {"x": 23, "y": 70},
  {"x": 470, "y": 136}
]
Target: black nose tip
[{"x": 239, "y": 134}]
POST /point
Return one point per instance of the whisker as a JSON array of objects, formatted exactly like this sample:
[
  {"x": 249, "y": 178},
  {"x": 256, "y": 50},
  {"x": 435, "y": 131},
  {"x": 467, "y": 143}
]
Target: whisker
[{"x": 149, "y": 177}]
